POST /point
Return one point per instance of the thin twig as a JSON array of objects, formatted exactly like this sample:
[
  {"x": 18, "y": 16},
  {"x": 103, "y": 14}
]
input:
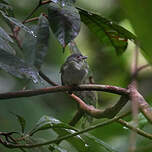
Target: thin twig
[
  {"x": 137, "y": 130},
  {"x": 35, "y": 9}
]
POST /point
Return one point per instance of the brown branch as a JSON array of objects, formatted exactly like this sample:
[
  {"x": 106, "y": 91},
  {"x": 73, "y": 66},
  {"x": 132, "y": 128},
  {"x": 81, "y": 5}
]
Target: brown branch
[
  {"x": 83, "y": 87},
  {"x": 107, "y": 113},
  {"x": 76, "y": 118},
  {"x": 35, "y": 9},
  {"x": 31, "y": 19},
  {"x": 47, "y": 79},
  {"x": 134, "y": 105}
]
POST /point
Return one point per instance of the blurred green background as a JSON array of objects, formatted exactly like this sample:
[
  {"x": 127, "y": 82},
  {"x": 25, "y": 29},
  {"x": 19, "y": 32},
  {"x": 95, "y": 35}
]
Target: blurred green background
[{"x": 107, "y": 67}]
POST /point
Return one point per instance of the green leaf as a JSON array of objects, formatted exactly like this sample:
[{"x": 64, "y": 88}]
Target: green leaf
[
  {"x": 17, "y": 23},
  {"x": 17, "y": 67},
  {"x": 77, "y": 141},
  {"x": 4, "y": 35},
  {"x": 96, "y": 144},
  {"x": 5, "y": 46},
  {"x": 64, "y": 21},
  {"x": 47, "y": 122},
  {"x": 141, "y": 19},
  {"x": 107, "y": 31},
  {"x": 29, "y": 46},
  {"x": 60, "y": 128},
  {"x": 35, "y": 48},
  {"x": 42, "y": 41},
  {"x": 21, "y": 121}
]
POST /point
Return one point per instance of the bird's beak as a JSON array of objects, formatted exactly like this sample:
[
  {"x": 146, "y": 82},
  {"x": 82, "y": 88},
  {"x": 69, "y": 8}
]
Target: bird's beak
[{"x": 84, "y": 57}]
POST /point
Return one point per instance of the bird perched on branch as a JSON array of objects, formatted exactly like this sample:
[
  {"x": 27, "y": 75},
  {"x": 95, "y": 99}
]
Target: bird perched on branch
[{"x": 75, "y": 71}]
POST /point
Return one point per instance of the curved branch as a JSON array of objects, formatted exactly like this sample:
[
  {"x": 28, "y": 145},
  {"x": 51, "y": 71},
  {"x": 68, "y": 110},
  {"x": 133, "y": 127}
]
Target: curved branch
[{"x": 83, "y": 87}]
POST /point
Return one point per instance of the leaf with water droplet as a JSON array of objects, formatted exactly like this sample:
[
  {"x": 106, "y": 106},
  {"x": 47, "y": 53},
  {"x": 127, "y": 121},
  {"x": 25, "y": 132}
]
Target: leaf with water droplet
[
  {"x": 28, "y": 45},
  {"x": 96, "y": 144},
  {"x": 17, "y": 23},
  {"x": 41, "y": 47},
  {"x": 47, "y": 122},
  {"x": 35, "y": 48},
  {"x": 64, "y": 22},
  {"x": 61, "y": 128},
  {"x": 17, "y": 67},
  {"x": 107, "y": 32}
]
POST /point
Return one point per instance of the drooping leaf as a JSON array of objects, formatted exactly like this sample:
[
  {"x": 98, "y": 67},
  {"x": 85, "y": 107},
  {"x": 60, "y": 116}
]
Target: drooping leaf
[
  {"x": 42, "y": 41},
  {"x": 35, "y": 48},
  {"x": 5, "y": 46},
  {"x": 64, "y": 21},
  {"x": 47, "y": 122},
  {"x": 17, "y": 67},
  {"x": 29, "y": 46},
  {"x": 21, "y": 121},
  {"x": 17, "y": 23},
  {"x": 142, "y": 23},
  {"x": 107, "y": 31}
]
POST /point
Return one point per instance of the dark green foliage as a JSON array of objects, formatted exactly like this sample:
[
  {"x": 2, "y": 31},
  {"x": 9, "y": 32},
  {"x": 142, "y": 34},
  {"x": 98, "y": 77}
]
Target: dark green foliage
[
  {"x": 64, "y": 21},
  {"x": 17, "y": 67},
  {"x": 107, "y": 32}
]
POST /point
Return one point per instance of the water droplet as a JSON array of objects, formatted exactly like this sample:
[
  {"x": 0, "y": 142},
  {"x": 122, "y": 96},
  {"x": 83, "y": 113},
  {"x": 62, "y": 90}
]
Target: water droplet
[
  {"x": 32, "y": 32},
  {"x": 63, "y": 4},
  {"x": 125, "y": 128},
  {"x": 110, "y": 22},
  {"x": 35, "y": 80},
  {"x": 89, "y": 13}
]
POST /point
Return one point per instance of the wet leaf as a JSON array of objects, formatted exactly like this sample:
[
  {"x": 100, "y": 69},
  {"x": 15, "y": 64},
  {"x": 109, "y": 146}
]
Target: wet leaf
[
  {"x": 29, "y": 46},
  {"x": 60, "y": 128},
  {"x": 96, "y": 144},
  {"x": 21, "y": 121},
  {"x": 42, "y": 41},
  {"x": 107, "y": 31},
  {"x": 4, "y": 45},
  {"x": 17, "y": 67},
  {"x": 47, "y": 122},
  {"x": 64, "y": 22},
  {"x": 17, "y": 23}
]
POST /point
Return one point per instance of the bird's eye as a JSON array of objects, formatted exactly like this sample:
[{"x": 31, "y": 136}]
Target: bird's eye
[{"x": 78, "y": 57}]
